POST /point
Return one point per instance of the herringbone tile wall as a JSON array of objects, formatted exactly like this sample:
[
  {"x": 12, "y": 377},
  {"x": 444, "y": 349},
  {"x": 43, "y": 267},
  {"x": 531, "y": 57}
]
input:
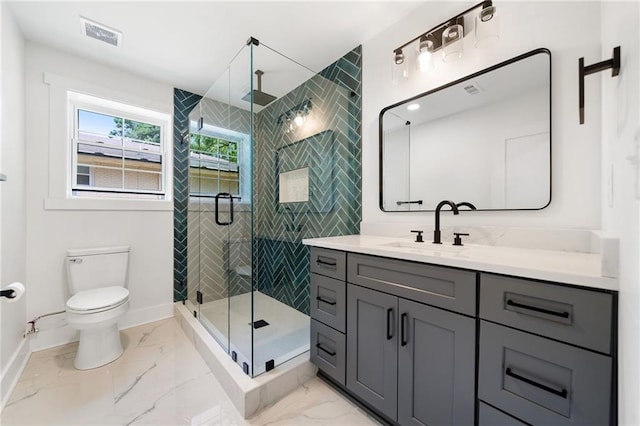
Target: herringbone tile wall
[
  {"x": 329, "y": 144},
  {"x": 183, "y": 103}
]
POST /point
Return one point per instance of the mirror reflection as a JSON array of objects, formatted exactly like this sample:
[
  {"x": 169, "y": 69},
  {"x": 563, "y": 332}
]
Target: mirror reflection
[{"x": 484, "y": 139}]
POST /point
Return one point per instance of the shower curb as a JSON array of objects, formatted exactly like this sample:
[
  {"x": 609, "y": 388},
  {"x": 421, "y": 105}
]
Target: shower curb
[{"x": 248, "y": 395}]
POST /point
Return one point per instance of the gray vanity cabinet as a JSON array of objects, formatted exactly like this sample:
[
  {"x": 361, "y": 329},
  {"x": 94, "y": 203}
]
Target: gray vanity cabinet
[
  {"x": 432, "y": 345},
  {"x": 372, "y": 348}
]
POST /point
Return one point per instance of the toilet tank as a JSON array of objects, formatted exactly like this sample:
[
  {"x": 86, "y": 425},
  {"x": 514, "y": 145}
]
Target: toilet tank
[{"x": 92, "y": 268}]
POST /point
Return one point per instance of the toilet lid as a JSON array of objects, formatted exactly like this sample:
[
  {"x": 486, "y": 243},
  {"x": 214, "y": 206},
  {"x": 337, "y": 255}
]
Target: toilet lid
[{"x": 99, "y": 298}]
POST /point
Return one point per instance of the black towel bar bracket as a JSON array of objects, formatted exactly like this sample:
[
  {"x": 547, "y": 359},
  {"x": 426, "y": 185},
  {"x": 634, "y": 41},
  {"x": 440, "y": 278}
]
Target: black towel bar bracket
[
  {"x": 613, "y": 63},
  {"x": 9, "y": 294}
]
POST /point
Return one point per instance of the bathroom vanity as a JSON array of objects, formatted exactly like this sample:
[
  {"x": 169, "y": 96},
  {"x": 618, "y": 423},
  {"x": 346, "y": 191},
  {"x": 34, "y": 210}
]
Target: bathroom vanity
[{"x": 467, "y": 335}]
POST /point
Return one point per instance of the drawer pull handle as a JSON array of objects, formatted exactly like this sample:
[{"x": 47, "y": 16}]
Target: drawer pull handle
[
  {"x": 403, "y": 329},
  {"x": 325, "y": 263},
  {"x": 536, "y": 309},
  {"x": 389, "y": 329},
  {"x": 561, "y": 393},
  {"x": 328, "y": 302},
  {"x": 319, "y": 346}
]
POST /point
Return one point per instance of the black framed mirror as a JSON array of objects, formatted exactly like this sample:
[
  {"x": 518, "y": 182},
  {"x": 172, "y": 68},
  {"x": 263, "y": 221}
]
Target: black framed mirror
[{"x": 484, "y": 139}]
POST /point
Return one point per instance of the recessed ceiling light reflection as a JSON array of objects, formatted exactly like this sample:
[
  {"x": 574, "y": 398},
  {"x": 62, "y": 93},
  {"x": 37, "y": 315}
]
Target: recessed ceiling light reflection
[{"x": 413, "y": 107}]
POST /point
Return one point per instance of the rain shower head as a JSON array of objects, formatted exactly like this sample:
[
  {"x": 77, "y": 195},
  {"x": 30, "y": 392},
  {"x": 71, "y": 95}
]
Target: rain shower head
[{"x": 259, "y": 97}]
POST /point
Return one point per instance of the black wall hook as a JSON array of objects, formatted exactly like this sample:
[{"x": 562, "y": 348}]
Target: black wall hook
[{"x": 613, "y": 63}]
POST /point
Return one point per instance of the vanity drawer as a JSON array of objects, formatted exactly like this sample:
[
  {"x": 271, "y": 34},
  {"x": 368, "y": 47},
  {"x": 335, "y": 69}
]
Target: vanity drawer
[
  {"x": 331, "y": 263},
  {"x": 542, "y": 381},
  {"x": 572, "y": 315},
  {"x": 489, "y": 416},
  {"x": 328, "y": 299},
  {"x": 448, "y": 288},
  {"x": 328, "y": 350}
]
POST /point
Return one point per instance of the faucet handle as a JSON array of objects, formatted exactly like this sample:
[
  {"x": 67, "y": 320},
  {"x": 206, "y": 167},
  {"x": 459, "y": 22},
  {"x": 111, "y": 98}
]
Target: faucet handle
[
  {"x": 457, "y": 241},
  {"x": 419, "y": 236}
]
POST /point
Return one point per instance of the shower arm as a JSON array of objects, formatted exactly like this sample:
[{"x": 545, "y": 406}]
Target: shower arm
[{"x": 259, "y": 74}]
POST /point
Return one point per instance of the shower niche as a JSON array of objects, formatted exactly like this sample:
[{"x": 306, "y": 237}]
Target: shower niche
[{"x": 267, "y": 124}]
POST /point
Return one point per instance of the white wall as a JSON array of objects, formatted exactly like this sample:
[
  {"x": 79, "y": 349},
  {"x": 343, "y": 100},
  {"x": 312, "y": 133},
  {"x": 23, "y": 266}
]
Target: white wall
[
  {"x": 569, "y": 30},
  {"x": 53, "y": 229},
  {"x": 621, "y": 204},
  {"x": 12, "y": 212}
]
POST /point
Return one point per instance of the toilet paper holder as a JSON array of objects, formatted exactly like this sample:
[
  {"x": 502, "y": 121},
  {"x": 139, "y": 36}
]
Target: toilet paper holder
[{"x": 9, "y": 294}]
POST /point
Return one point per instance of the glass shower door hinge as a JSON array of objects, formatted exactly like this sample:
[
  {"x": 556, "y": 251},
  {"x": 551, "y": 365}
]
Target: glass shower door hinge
[{"x": 199, "y": 297}]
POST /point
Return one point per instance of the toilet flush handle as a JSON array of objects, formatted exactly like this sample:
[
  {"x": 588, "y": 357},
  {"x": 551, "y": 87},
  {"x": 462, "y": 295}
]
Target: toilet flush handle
[{"x": 76, "y": 260}]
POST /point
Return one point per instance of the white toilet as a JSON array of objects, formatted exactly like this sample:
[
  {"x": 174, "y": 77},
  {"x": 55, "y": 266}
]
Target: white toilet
[{"x": 99, "y": 298}]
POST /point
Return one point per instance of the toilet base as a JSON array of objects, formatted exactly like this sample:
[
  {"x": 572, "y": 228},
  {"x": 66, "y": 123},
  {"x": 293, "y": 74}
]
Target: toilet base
[{"x": 98, "y": 347}]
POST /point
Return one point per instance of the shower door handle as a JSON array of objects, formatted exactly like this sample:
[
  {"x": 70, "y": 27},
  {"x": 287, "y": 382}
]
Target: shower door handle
[{"x": 230, "y": 197}]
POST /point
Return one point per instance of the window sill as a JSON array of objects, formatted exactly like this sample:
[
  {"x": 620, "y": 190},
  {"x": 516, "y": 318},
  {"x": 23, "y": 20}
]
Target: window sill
[{"x": 102, "y": 204}]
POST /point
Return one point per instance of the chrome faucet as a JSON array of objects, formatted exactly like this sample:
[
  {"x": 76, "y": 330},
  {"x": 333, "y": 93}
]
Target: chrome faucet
[{"x": 436, "y": 232}]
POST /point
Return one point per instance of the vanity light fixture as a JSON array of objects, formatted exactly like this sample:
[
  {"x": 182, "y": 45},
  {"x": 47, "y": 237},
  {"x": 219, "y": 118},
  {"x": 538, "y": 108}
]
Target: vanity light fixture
[
  {"x": 295, "y": 117},
  {"x": 447, "y": 36}
]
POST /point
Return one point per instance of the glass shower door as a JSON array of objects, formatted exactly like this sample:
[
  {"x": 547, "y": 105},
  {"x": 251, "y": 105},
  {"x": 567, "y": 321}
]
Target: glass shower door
[{"x": 220, "y": 181}]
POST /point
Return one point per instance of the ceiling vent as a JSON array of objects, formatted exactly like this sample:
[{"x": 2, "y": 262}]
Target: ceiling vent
[
  {"x": 100, "y": 32},
  {"x": 473, "y": 89}
]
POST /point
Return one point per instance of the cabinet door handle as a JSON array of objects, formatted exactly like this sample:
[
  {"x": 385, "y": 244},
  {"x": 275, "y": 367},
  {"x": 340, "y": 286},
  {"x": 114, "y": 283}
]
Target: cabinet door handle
[
  {"x": 328, "y": 302},
  {"x": 389, "y": 319},
  {"x": 319, "y": 346},
  {"x": 561, "y": 393},
  {"x": 325, "y": 263},
  {"x": 536, "y": 309},
  {"x": 403, "y": 329}
]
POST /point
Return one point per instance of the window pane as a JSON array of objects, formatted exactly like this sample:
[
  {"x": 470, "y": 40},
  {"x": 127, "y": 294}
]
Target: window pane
[
  {"x": 83, "y": 180},
  {"x": 99, "y": 128},
  {"x": 144, "y": 132},
  {"x": 216, "y": 147},
  {"x": 143, "y": 181},
  {"x": 99, "y": 153},
  {"x": 142, "y": 161},
  {"x": 83, "y": 170},
  {"x": 105, "y": 178}
]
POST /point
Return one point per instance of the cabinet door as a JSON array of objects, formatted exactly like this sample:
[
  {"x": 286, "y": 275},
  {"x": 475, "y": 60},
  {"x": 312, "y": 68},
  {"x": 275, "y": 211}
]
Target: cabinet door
[
  {"x": 372, "y": 348},
  {"x": 436, "y": 364}
]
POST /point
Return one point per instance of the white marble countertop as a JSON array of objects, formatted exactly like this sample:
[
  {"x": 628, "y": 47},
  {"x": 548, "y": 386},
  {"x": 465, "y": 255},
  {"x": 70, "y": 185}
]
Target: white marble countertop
[{"x": 583, "y": 269}]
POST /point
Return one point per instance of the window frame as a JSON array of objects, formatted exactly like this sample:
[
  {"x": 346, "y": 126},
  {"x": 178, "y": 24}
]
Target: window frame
[{"x": 79, "y": 101}]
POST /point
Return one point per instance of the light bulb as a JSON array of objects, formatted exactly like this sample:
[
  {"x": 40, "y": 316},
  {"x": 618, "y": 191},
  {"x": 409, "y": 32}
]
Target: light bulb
[
  {"x": 424, "y": 60},
  {"x": 299, "y": 120},
  {"x": 424, "y": 54}
]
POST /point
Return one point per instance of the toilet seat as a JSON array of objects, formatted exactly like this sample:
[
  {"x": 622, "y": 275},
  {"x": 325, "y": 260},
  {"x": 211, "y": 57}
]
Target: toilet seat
[{"x": 97, "y": 300}]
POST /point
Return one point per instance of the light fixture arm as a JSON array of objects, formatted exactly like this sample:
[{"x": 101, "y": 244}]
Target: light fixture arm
[{"x": 435, "y": 33}]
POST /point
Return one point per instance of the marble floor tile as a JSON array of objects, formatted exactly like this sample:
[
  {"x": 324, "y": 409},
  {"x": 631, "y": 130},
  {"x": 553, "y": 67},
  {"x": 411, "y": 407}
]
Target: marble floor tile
[{"x": 159, "y": 380}]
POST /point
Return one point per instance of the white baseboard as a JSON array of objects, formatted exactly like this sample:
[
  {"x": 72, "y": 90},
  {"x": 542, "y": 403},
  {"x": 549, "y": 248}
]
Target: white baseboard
[
  {"x": 48, "y": 338},
  {"x": 13, "y": 371},
  {"x": 146, "y": 315}
]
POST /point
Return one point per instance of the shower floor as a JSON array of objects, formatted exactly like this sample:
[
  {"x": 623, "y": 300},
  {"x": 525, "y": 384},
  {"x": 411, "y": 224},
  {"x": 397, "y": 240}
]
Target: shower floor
[{"x": 286, "y": 336}]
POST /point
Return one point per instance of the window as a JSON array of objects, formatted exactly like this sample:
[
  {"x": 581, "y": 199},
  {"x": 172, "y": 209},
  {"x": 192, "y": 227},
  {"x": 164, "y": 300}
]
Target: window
[
  {"x": 213, "y": 166},
  {"x": 118, "y": 150}
]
